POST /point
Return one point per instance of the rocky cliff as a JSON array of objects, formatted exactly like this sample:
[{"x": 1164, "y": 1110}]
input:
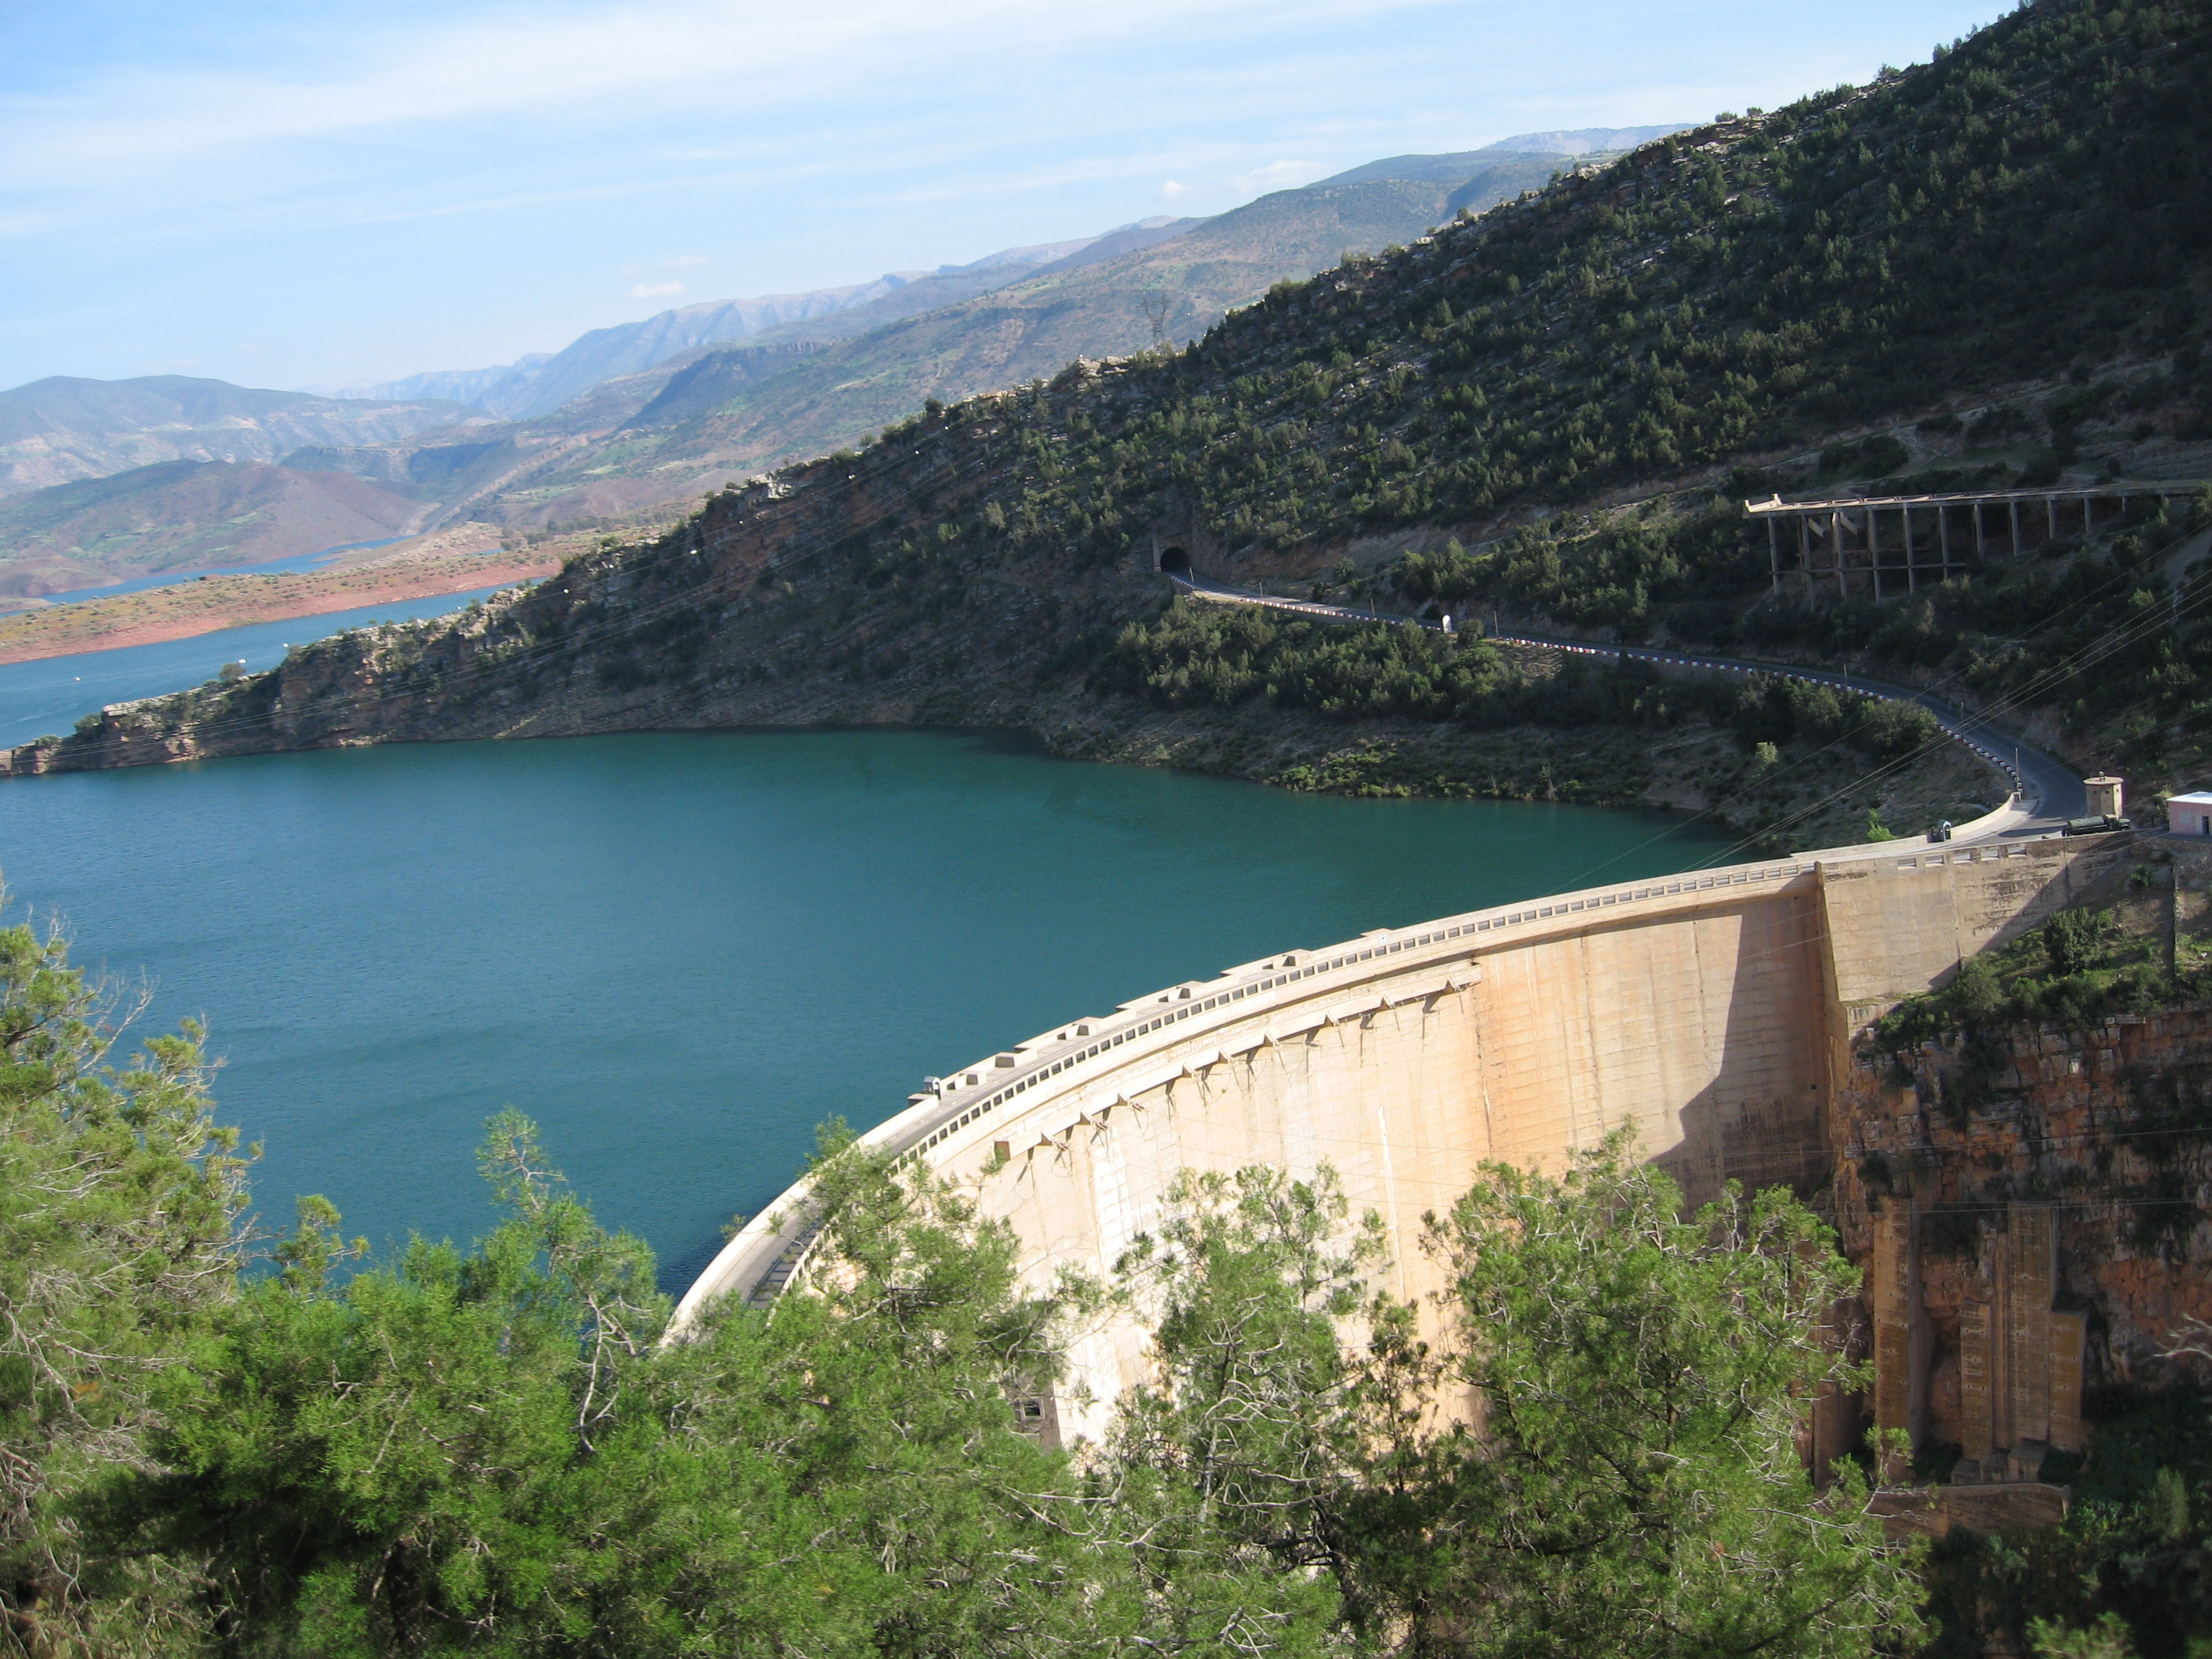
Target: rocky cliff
[{"x": 2032, "y": 1200}]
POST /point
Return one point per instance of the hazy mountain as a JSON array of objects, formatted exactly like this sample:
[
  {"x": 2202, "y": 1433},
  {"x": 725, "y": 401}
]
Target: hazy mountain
[
  {"x": 1500, "y": 171},
  {"x": 656, "y": 410},
  {"x": 717, "y": 413},
  {"x": 542, "y": 382},
  {"x": 934, "y": 293},
  {"x": 1590, "y": 141},
  {"x": 1024, "y": 330},
  {"x": 714, "y": 378},
  {"x": 182, "y": 516},
  {"x": 1455, "y": 169},
  {"x": 1032, "y": 329},
  {"x": 929, "y": 338},
  {"x": 63, "y": 429},
  {"x": 487, "y": 389}
]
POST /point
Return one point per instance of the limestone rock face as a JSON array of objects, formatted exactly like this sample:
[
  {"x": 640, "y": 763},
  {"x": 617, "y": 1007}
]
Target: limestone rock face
[{"x": 2049, "y": 1241}]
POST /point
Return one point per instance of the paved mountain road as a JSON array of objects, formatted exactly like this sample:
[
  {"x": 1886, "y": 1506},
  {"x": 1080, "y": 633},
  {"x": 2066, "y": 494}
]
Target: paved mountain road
[{"x": 2046, "y": 791}]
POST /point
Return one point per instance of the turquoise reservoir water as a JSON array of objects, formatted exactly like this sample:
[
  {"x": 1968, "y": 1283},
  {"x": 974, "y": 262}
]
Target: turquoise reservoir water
[{"x": 680, "y": 952}]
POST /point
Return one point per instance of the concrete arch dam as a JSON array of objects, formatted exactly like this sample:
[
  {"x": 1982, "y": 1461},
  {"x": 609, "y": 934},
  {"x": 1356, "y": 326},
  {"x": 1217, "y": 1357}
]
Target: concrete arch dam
[{"x": 1713, "y": 1010}]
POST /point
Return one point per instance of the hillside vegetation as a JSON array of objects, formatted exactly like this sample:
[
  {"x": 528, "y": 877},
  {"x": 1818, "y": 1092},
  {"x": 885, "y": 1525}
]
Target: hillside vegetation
[{"x": 2006, "y": 246}]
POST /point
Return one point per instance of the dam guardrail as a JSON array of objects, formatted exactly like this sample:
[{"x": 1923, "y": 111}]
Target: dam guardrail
[{"x": 1131, "y": 1047}]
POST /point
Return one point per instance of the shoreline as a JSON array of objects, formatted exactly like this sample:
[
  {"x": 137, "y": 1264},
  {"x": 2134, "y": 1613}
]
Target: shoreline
[{"x": 210, "y": 605}]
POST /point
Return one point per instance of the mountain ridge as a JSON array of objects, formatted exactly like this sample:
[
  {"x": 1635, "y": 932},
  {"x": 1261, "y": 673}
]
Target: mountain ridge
[
  {"x": 1454, "y": 166},
  {"x": 539, "y": 382},
  {"x": 186, "y": 515},
  {"x": 65, "y": 427},
  {"x": 1023, "y": 330}
]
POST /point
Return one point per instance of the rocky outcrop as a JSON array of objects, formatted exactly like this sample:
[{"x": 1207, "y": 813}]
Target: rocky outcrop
[
  {"x": 2034, "y": 1206},
  {"x": 2103, "y": 1137}
]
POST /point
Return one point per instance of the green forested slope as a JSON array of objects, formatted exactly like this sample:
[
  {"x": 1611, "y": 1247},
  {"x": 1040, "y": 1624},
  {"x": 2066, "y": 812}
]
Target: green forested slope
[{"x": 2040, "y": 196}]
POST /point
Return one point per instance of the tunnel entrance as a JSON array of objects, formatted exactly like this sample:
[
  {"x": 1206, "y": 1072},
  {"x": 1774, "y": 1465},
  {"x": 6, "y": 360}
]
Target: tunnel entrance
[{"x": 1174, "y": 562}]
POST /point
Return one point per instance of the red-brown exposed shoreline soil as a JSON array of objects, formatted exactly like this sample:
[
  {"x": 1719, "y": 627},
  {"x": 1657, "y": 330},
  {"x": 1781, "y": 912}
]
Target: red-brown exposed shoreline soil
[{"x": 214, "y": 602}]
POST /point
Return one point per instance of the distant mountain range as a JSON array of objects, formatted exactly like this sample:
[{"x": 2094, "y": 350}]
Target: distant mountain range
[
  {"x": 187, "y": 515},
  {"x": 1032, "y": 329},
  {"x": 644, "y": 415},
  {"x": 1467, "y": 166},
  {"x": 1586, "y": 141},
  {"x": 61, "y": 430},
  {"x": 542, "y": 382}
]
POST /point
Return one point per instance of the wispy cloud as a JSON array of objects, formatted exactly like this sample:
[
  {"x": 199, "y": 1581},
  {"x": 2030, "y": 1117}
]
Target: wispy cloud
[
  {"x": 654, "y": 290},
  {"x": 569, "y": 59}
]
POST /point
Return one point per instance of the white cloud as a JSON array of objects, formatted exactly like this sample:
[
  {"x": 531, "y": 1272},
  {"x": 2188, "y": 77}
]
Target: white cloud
[
  {"x": 1174, "y": 190},
  {"x": 654, "y": 290}
]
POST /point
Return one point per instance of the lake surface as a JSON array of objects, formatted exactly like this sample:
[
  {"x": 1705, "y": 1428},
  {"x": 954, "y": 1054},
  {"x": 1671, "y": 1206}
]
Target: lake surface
[
  {"x": 47, "y": 696},
  {"x": 679, "y": 952}
]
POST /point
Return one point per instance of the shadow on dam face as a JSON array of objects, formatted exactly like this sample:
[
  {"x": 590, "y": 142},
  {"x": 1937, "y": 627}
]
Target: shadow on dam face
[{"x": 1759, "y": 1119}]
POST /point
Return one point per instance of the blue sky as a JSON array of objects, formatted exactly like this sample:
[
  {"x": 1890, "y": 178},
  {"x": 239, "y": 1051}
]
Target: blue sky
[{"x": 287, "y": 194}]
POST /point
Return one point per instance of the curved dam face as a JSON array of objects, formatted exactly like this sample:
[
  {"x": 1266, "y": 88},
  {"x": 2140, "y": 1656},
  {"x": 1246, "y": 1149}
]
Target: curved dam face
[{"x": 1712, "y": 1010}]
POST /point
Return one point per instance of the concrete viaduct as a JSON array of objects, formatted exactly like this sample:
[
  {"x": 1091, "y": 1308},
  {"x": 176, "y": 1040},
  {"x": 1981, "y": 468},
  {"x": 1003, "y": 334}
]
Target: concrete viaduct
[{"x": 1877, "y": 546}]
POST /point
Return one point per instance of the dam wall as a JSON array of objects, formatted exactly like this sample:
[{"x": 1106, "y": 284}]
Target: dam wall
[{"x": 1713, "y": 1010}]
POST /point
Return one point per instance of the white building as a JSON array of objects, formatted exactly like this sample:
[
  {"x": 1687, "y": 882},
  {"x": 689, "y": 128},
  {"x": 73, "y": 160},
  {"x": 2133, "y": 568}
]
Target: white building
[{"x": 2191, "y": 814}]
